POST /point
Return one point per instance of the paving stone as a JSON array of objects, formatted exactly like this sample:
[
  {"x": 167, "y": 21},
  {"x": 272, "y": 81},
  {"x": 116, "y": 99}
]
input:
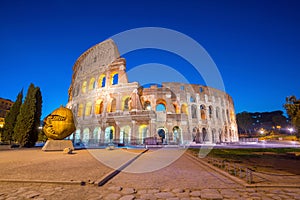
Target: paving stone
[
  {"x": 177, "y": 190},
  {"x": 112, "y": 197},
  {"x": 152, "y": 191},
  {"x": 30, "y": 194},
  {"x": 183, "y": 195},
  {"x": 148, "y": 196},
  {"x": 211, "y": 194},
  {"x": 12, "y": 198},
  {"x": 195, "y": 193},
  {"x": 276, "y": 197},
  {"x": 164, "y": 195},
  {"x": 128, "y": 191},
  {"x": 141, "y": 191},
  {"x": 127, "y": 197},
  {"x": 115, "y": 188}
]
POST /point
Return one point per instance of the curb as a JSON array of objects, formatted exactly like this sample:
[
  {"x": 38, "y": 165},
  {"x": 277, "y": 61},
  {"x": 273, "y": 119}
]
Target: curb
[{"x": 42, "y": 181}]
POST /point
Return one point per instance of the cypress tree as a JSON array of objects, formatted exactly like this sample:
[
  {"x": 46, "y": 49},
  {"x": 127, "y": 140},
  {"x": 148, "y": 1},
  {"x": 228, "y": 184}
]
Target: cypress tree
[
  {"x": 28, "y": 121},
  {"x": 11, "y": 119},
  {"x": 37, "y": 117}
]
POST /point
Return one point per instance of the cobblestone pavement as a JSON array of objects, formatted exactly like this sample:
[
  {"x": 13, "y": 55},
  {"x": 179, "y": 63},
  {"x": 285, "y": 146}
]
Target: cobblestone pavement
[
  {"x": 11, "y": 191},
  {"x": 182, "y": 179}
]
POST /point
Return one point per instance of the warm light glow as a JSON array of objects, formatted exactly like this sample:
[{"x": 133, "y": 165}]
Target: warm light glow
[{"x": 291, "y": 130}]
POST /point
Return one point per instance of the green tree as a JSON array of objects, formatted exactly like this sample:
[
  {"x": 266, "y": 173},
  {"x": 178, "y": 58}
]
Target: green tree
[
  {"x": 11, "y": 119},
  {"x": 244, "y": 121},
  {"x": 28, "y": 121},
  {"x": 292, "y": 107}
]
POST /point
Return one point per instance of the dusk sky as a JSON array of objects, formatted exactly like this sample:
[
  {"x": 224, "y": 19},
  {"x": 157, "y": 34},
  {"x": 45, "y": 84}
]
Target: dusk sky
[{"x": 254, "y": 44}]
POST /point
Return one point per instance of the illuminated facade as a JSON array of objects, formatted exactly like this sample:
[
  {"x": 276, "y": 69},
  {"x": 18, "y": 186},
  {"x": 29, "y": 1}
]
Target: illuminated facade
[
  {"x": 5, "y": 105},
  {"x": 109, "y": 108}
]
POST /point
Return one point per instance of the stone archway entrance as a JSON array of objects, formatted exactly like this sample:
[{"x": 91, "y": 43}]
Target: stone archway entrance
[
  {"x": 177, "y": 136},
  {"x": 162, "y": 135}
]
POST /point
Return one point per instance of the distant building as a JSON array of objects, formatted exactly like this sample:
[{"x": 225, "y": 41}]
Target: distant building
[
  {"x": 109, "y": 108},
  {"x": 5, "y": 105}
]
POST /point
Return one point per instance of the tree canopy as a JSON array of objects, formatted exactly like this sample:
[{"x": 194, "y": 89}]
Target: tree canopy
[
  {"x": 292, "y": 107},
  {"x": 11, "y": 119},
  {"x": 28, "y": 121}
]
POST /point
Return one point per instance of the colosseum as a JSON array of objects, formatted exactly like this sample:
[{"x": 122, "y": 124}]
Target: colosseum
[{"x": 110, "y": 109}]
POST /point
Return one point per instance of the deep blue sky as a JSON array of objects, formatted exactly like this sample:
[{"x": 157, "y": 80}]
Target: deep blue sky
[{"x": 255, "y": 44}]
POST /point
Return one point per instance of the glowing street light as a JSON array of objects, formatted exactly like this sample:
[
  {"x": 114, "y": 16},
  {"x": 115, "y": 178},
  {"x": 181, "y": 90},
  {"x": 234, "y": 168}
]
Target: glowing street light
[
  {"x": 291, "y": 130},
  {"x": 261, "y": 131}
]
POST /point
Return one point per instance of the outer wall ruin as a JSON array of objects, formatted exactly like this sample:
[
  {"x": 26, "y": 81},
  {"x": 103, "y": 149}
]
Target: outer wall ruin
[{"x": 109, "y": 109}]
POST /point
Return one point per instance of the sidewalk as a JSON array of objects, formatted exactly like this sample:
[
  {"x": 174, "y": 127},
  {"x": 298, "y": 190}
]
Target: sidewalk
[{"x": 64, "y": 176}]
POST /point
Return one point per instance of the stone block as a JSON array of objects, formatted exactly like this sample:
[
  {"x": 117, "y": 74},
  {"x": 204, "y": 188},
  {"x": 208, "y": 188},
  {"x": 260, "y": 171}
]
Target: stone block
[{"x": 58, "y": 145}]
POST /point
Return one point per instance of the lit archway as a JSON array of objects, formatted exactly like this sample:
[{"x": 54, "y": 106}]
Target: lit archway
[
  {"x": 84, "y": 85},
  {"x": 92, "y": 84},
  {"x": 88, "y": 109},
  {"x": 161, "y": 105},
  {"x": 114, "y": 77},
  {"x": 147, "y": 105},
  {"x": 125, "y": 135},
  {"x": 109, "y": 134},
  {"x": 125, "y": 103},
  {"x": 143, "y": 129},
  {"x": 86, "y": 136},
  {"x": 99, "y": 107},
  {"x": 177, "y": 136},
  {"x": 101, "y": 81},
  {"x": 184, "y": 108}
]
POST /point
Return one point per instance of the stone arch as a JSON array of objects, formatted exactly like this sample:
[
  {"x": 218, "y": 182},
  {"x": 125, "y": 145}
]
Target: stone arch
[
  {"x": 227, "y": 115},
  {"x": 232, "y": 115},
  {"x": 96, "y": 135},
  {"x": 113, "y": 105},
  {"x": 99, "y": 107},
  {"x": 210, "y": 112},
  {"x": 214, "y": 136},
  {"x": 194, "y": 111},
  {"x": 77, "y": 138},
  {"x": 192, "y": 99},
  {"x": 205, "y": 136},
  {"x": 176, "y": 108},
  {"x": 147, "y": 105},
  {"x": 162, "y": 134},
  {"x": 80, "y": 110},
  {"x": 143, "y": 133},
  {"x": 196, "y": 135},
  {"x": 203, "y": 112},
  {"x": 184, "y": 108},
  {"x": 86, "y": 136},
  {"x": 218, "y": 113},
  {"x": 161, "y": 105},
  {"x": 101, "y": 81},
  {"x": 126, "y": 103},
  {"x": 92, "y": 84},
  {"x": 177, "y": 135},
  {"x": 114, "y": 77},
  {"x": 109, "y": 134},
  {"x": 125, "y": 134},
  {"x": 88, "y": 109},
  {"x": 83, "y": 88},
  {"x": 221, "y": 135},
  {"x": 223, "y": 115}
]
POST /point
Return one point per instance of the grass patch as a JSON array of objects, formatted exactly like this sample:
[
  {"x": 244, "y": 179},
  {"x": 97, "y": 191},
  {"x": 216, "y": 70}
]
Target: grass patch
[{"x": 240, "y": 154}]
